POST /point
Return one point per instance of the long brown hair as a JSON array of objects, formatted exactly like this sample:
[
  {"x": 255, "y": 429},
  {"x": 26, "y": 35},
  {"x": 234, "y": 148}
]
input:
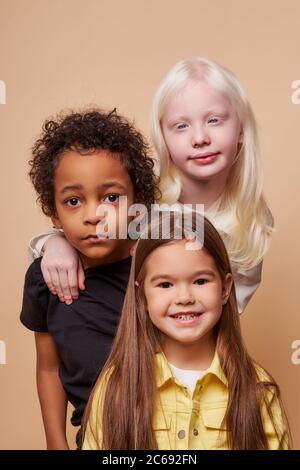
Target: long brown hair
[{"x": 130, "y": 394}]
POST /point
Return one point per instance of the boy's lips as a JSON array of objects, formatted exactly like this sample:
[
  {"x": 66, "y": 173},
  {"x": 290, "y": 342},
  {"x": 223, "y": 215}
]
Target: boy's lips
[{"x": 93, "y": 239}]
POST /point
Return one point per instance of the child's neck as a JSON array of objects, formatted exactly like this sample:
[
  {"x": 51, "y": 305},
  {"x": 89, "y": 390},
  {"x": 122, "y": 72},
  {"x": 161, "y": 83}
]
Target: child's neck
[
  {"x": 202, "y": 191},
  {"x": 196, "y": 356},
  {"x": 113, "y": 257}
]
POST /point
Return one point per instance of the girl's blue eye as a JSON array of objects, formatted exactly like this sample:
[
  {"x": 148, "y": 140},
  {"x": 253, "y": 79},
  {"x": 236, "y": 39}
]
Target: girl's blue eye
[
  {"x": 213, "y": 120},
  {"x": 181, "y": 126},
  {"x": 201, "y": 282},
  {"x": 72, "y": 202},
  {"x": 112, "y": 198},
  {"x": 164, "y": 285}
]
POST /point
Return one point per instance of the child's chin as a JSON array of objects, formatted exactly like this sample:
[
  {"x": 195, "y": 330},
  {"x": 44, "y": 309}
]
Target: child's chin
[{"x": 97, "y": 252}]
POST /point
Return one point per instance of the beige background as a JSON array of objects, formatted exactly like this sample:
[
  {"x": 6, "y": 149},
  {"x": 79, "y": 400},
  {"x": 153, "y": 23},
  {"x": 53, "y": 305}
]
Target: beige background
[{"x": 58, "y": 54}]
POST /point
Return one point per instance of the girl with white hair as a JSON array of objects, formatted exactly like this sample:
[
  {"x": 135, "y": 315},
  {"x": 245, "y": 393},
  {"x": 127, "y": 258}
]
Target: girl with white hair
[{"x": 204, "y": 133}]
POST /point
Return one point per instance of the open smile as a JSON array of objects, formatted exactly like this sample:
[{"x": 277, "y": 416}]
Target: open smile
[{"x": 186, "y": 317}]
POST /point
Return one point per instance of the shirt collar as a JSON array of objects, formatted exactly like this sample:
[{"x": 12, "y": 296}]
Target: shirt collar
[{"x": 164, "y": 372}]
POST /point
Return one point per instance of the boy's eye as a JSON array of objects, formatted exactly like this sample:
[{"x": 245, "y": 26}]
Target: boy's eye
[
  {"x": 165, "y": 285},
  {"x": 111, "y": 198},
  {"x": 73, "y": 202},
  {"x": 201, "y": 282}
]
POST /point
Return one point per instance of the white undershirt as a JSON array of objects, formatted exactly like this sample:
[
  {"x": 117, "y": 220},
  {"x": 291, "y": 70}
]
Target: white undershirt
[{"x": 188, "y": 378}]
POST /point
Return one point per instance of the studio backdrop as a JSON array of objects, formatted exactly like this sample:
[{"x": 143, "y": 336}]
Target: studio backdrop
[{"x": 64, "y": 54}]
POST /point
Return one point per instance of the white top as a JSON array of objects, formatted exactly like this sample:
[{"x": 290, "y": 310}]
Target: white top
[{"x": 187, "y": 378}]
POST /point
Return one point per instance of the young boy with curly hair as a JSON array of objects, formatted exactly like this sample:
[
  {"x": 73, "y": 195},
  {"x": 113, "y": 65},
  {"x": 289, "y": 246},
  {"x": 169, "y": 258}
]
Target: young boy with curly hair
[{"x": 80, "y": 162}]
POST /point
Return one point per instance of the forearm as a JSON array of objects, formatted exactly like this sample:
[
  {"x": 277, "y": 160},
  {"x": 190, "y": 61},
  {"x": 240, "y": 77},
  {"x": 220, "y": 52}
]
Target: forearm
[
  {"x": 53, "y": 403},
  {"x": 36, "y": 244}
]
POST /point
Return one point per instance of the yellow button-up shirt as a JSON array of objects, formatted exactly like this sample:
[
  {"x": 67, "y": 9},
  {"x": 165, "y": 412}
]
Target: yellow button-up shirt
[{"x": 191, "y": 422}]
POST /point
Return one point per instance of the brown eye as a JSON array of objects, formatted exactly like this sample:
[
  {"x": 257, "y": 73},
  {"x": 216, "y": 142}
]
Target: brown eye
[
  {"x": 201, "y": 282},
  {"x": 73, "y": 202},
  {"x": 164, "y": 285},
  {"x": 112, "y": 198}
]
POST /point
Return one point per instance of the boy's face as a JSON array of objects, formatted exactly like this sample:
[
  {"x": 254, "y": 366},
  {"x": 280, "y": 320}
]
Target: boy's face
[{"x": 81, "y": 184}]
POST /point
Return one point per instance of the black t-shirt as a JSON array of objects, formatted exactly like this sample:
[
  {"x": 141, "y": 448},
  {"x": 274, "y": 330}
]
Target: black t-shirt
[{"x": 83, "y": 331}]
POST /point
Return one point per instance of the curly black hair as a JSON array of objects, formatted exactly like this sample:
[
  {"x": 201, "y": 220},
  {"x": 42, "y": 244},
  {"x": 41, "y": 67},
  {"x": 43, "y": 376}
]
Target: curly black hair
[{"x": 91, "y": 130}]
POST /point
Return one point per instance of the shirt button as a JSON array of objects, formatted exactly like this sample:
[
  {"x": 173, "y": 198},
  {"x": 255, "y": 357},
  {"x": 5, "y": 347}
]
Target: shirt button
[
  {"x": 195, "y": 432},
  {"x": 181, "y": 434}
]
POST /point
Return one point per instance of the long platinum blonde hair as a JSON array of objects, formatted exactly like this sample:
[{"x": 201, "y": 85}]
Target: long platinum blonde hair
[{"x": 241, "y": 214}]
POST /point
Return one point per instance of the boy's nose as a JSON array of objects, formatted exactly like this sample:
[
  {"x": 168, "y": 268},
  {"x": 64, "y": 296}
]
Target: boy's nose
[{"x": 92, "y": 215}]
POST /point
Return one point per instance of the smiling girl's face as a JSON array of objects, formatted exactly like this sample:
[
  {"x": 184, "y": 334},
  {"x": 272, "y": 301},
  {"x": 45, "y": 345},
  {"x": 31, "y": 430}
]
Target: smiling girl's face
[
  {"x": 202, "y": 131},
  {"x": 184, "y": 293}
]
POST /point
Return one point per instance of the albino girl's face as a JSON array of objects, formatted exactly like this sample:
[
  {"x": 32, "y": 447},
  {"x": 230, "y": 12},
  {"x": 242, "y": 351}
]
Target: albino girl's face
[
  {"x": 184, "y": 292},
  {"x": 202, "y": 131}
]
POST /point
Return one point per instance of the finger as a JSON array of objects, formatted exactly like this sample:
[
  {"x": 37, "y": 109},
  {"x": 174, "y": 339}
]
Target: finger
[
  {"x": 56, "y": 282},
  {"x": 81, "y": 276},
  {"x": 64, "y": 283},
  {"x": 48, "y": 280},
  {"x": 72, "y": 279}
]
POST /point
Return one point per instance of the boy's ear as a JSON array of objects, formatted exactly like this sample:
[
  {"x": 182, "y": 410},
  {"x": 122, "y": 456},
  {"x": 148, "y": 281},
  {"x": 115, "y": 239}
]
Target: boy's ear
[
  {"x": 132, "y": 251},
  {"x": 56, "y": 221},
  {"x": 227, "y": 285}
]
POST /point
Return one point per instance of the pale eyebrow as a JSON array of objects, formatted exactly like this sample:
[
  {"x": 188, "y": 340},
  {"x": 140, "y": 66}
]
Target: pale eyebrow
[
  {"x": 206, "y": 272},
  {"x": 175, "y": 119},
  {"x": 217, "y": 112},
  {"x": 106, "y": 185}
]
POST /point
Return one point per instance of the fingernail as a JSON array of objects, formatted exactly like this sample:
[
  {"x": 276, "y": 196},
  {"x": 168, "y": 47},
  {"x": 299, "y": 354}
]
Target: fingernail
[{"x": 68, "y": 302}]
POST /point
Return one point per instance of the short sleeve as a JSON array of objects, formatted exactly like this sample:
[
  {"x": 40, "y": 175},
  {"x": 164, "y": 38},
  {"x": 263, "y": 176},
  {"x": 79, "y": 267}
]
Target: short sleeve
[
  {"x": 35, "y": 299},
  {"x": 246, "y": 282},
  {"x": 36, "y": 244}
]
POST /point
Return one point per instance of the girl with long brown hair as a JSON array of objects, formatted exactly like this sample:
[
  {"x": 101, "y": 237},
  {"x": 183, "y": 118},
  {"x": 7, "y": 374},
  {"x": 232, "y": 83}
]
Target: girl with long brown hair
[{"x": 179, "y": 375}]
